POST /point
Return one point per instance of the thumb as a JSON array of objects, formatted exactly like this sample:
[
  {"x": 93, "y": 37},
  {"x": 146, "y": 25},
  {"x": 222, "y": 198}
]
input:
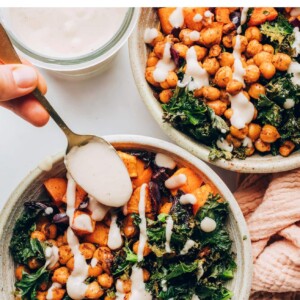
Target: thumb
[{"x": 16, "y": 80}]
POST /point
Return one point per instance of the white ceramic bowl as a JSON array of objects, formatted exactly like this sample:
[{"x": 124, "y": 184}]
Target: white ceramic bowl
[
  {"x": 31, "y": 188},
  {"x": 138, "y": 57}
]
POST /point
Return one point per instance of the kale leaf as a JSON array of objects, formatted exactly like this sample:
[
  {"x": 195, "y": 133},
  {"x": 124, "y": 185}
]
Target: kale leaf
[{"x": 215, "y": 154}]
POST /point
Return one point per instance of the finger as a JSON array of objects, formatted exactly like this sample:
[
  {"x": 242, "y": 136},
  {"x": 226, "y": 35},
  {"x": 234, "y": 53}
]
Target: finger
[
  {"x": 17, "y": 80},
  {"x": 29, "y": 109},
  {"x": 42, "y": 85}
]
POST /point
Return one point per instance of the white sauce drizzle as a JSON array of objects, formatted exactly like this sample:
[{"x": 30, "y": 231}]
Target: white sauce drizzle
[
  {"x": 187, "y": 199},
  {"x": 164, "y": 65},
  {"x": 115, "y": 240},
  {"x": 200, "y": 270},
  {"x": 176, "y": 18},
  {"x": 208, "y": 14},
  {"x": 175, "y": 181},
  {"x": 247, "y": 142},
  {"x": 150, "y": 34},
  {"x": 224, "y": 145},
  {"x": 239, "y": 71},
  {"x": 120, "y": 295},
  {"x": 197, "y": 18},
  {"x": 195, "y": 297},
  {"x": 46, "y": 164},
  {"x": 94, "y": 262},
  {"x": 52, "y": 256},
  {"x": 296, "y": 44},
  {"x": 208, "y": 224},
  {"x": 195, "y": 76},
  {"x": 243, "y": 19},
  {"x": 97, "y": 209},
  {"x": 294, "y": 69},
  {"x": 169, "y": 227},
  {"x": 138, "y": 287},
  {"x": 288, "y": 103},
  {"x": 243, "y": 110},
  {"x": 71, "y": 196},
  {"x": 164, "y": 285},
  {"x": 188, "y": 245},
  {"x": 54, "y": 286},
  {"x": 143, "y": 224},
  {"x": 295, "y": 12},
  {"x": 83, "y": 222},
  {"x": 49, "y": 210},
  {"x": 194, "y": 35},
  {"x": 164, "y": 161}
]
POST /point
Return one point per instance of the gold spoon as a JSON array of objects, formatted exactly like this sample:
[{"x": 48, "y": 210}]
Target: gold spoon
[{"x": 8, "y": 55}]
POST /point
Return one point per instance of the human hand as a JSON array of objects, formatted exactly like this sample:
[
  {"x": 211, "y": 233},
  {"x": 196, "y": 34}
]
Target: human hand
[{"x": 17, "y": 81}]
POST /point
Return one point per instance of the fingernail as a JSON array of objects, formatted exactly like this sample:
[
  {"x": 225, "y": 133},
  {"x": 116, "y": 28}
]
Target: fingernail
[{"x": 25, "y": 77}]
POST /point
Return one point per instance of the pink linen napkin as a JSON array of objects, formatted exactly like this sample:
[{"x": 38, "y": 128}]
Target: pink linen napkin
[{"x": 271, "y": 206}]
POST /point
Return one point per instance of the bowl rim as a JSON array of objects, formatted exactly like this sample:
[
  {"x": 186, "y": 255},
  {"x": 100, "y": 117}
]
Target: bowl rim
[
  {"x": 253, "y": 164},
  {"x": 143, "y": 141}
]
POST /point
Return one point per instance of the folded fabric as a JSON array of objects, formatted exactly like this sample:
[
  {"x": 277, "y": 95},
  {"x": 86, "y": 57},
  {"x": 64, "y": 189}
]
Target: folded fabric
[{"x": 271, "y": 206}]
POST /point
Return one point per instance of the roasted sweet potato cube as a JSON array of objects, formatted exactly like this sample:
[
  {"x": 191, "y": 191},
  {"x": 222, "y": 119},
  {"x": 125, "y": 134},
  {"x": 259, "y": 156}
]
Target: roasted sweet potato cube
[
  {"x": 56, "y": 187},
  {"x": 130, "y": 163},
  {"x": 83, "y": 223},
  {"x": 143, "y": 174},
  {"x": 133, "y": 203},
  {"x": 222, "y": 15},
  {"x": 129, "y": 228},
  {"x": 193, "y": 181},
  {"x": 262, "y": 14},
  {"x": 212, "y": 34},
  {"x": 164, "y": 15},
  {"x": 189, "y": 15},
  {"x": 201, "y": 195},
  {"x": 99, "y": 236},
  {"x": 165, "y": 208}
]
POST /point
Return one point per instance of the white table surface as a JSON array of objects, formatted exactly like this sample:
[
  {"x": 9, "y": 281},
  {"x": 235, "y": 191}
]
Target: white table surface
[{"x": 106, "y": 104}]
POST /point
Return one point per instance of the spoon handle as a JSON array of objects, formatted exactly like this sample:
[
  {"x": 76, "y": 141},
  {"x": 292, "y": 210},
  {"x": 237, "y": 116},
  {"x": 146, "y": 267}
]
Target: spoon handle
[{"x": 8, "y": 55}]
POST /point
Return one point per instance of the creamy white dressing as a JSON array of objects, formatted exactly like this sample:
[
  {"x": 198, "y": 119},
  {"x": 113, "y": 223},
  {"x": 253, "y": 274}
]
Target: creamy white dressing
[
  {"x": 71, "y": 196},
  {"x": 200, "y": 270},
  {"x": 143, "y": 224},
  {"x": 120, "y": 295},
  {"x": 194, "y": 35},
  {"x": 115, "y": 240},
  {"x": 46, "y": 164},
  {"x": 243, "y": 19},
  {"x": 208, "y": 14},
  {"x": 224, "y": 145},
  {"x": 164, "y": 65},
  {"x": 294, "y": 69},
  {"x": 288, "y": 103},
  {"x": 52, "y": 256},
  {"x": 97, "y": 209},
  {"x": 83, "y": 222},
  {"x": 76, "y": 286},
  {"x": 169, "y": 228},
  {"x": 176, "y": 181},
  {"x": 247, "y": 142},
  {"x": 176, "y": 18},
  {"x": 195, "y": 297},
  {"x": 187, "y": 247},
  {"x": 295, "y": 12},
  {"x": 94, "y": 262},
  {"x": 54, "y": 286},
  {"x": 150, "y": 34},
  {"x": 208, "y": 224},
  {"x": 187, "y": 199},
  {"x": 296, "y": 44},
  {"x": 65, "y": 32},
  {"x": 164, "y": 285},
  {"x": 138, "y": 287},
  {"x": 49, "y": 210},
  {"x": 195, "y": 76},
  {"x": 243, "y": 110},
  {"x": 239, "y": 71},
  {"x": 197, "y": 18},
  {"x": 164, "y": 161},
  {"x": 100, "y": 172}
]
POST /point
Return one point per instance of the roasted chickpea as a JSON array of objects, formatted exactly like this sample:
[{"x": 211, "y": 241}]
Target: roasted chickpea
[
  {"x": 254, "y": 131},
  {"x": 249, "y": 151},
  {"x": 281, "y": 61},
  {"x": 93, "y": 291},
  {"x": 41, "y": 295},
  {"x": 211, "y": 93},
  {"x": 152, "y": 61},
  {"x": 233, "y": 141},
  {"x": 211, "y": 65},
  {"x": 269, "y": 134},
  {"x": 61, "y": 275},
  {"x": 95, "y": 270},
  {"x": 239, "y": 133},
  {"x": 218, "y": 106},
  {"x": 211, "y": 35},
  {"x": 127, "y": 286},
  {"x": 50, "y": 230},
  {"x": 159, "y": 49},
  {"x": 129, "y": 229},
  {"x": 181, "y": 49},
  {"x": 149, "y": 76},
  {"x": 261, "y": 57},
  {"x": 253, "y": 33},
  {"x": 226, "y": 59},
  {"x": 146, "y": 275},
  {"x": 87, "y": 250},
  {"x": 200, "y": 52},
  {"x": 185, "y": 38},
  {"x": 253, "y": 48},
  {"x": 267, "y": 70},
  {"x": 34, "y": 263},
  {"x": 268, "y": 48},
  {"x": 147, "y": 249},
  {"x": 172, "y": 79},
  {"x": 228, "y": 113},
  {"x": 243, "y": 42},
  {"x": 159, "y": 38},
  {"x": 65, "y": 253},
  {"x": 215, "y": 51},
  {"x": 38, "y": 235},
  {"x": 19, "y": 271},
  {"x": 227, "y": 40},
  {"x": 227, "y": 28},
  {"x": 224, "y": 96},
  {"x": 198, "y": 93},
  {"x": 252, "y": 74},
  {"x": 105, "y": 280},
  {"x": 286, "y": 148},
  {"x": 164, "y": 84},
  {"x": 234, "y": 87},
  {"x": 250, "y": 61},
  {"x": 105, "y": 258},
  {"x": 262, "y": 146},
  {"x": 256, "y": 89},
  {"x": 61, "y": 240},
  {"x": 223, "y": 76},
  {"x": 165, "y": 95},
  {"x": 255, "y": 114},
  {"x": 58, "y": 294}
]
